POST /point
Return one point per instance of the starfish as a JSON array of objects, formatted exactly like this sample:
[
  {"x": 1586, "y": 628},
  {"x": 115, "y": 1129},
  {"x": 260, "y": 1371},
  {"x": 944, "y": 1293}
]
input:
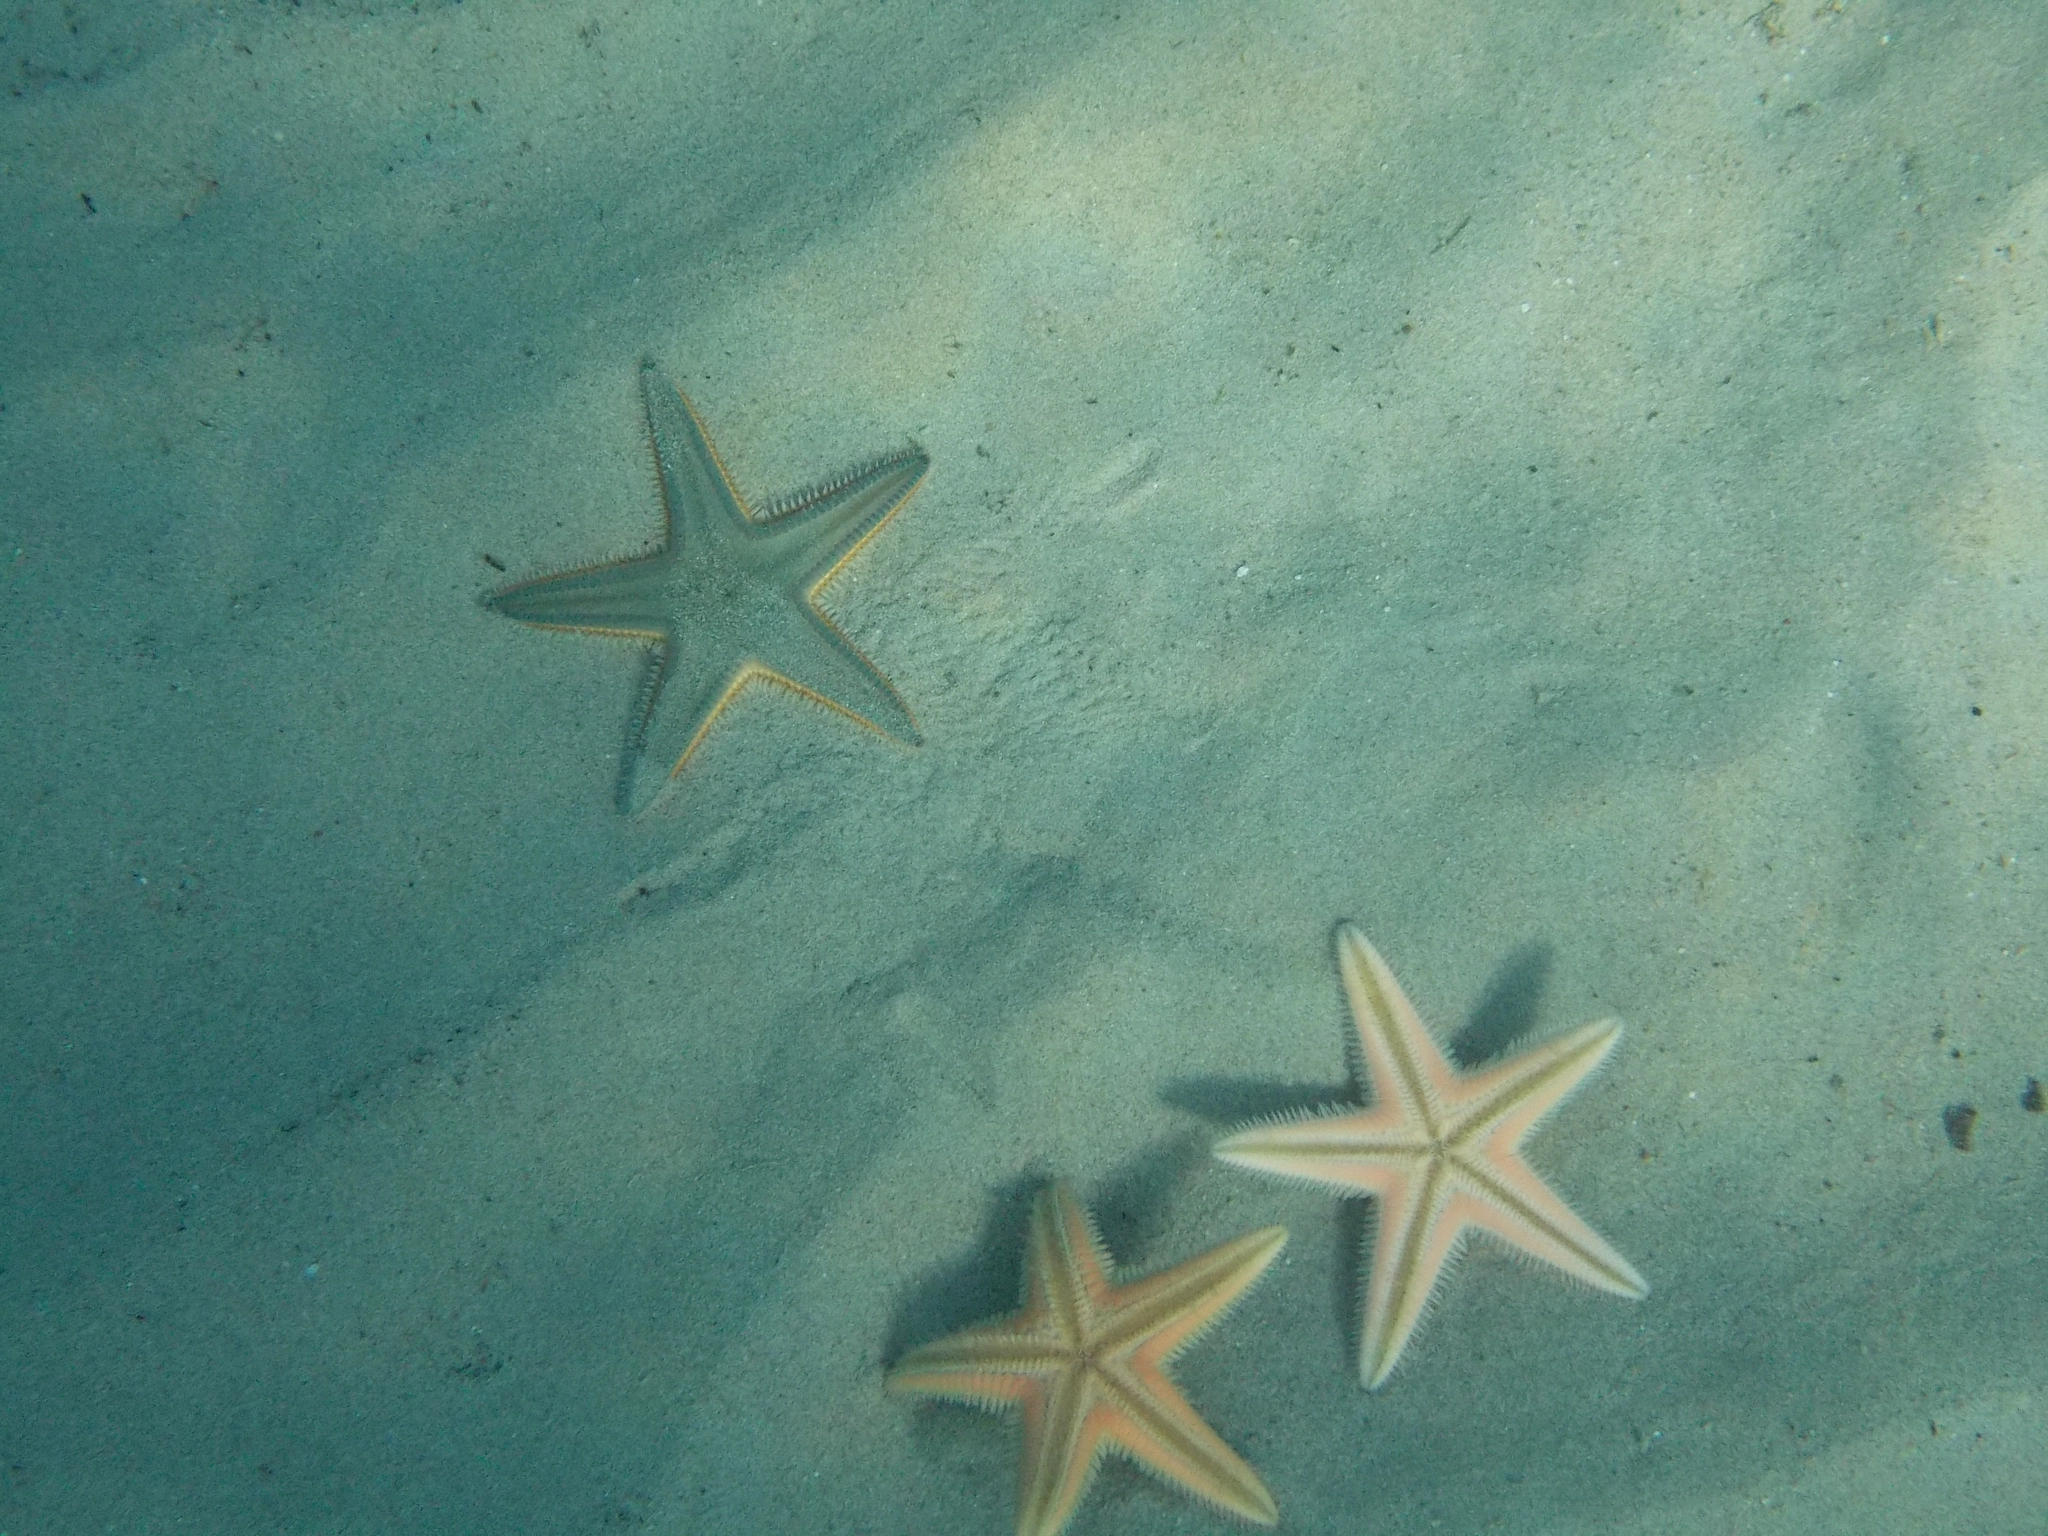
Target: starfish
[
  {"x": 1440, "y": 1150},
  {"x": 1086, "y": 1359},
  {"x": 730, "y": 598}
]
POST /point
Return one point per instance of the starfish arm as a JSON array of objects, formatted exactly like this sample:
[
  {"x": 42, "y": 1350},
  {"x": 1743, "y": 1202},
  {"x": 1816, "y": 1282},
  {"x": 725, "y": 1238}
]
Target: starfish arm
[
  {"x": 1066, "y": 1264},
  {"x": 621, "y": 599},
  {"x": 1158, "y": 1429},
  {"x": 1403, "y": 1065},
  {"x": 994, "y": 1364},
  {"x": 809, "y": 538},
  {"x": 1155, "y": 1318},
  {"x": 685, "y": 690},
  {"x": 1362, "y": 1152},
  {"x": 812, "y": 658},
  {"x": 1063, "y": 1435},
  {"x": 1514, "y": 1205},
  {"x": 1500, "y": 1107},
  {"x": 698, "y": 497},
  {"x": 986, "y": 1367},
  {"x": 821, "y": 532},
  {"x": 1411, "y": 1243},
  {"x": 1515, "y": 1095}
]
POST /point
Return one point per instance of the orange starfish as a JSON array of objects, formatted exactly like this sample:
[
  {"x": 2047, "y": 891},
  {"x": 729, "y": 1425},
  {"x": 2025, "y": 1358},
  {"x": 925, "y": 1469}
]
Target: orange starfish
[
  {"x": 1086, "y": 1360},
  {"x": 1440, "y": 1151}
]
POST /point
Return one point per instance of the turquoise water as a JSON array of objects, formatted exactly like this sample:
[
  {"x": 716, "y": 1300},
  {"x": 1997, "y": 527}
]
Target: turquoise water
[{"x": 1561, "y": 491}]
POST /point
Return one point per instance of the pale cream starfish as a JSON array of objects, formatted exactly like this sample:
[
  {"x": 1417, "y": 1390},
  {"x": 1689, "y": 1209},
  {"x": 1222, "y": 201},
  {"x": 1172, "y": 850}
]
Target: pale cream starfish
[
  {"x": 1440, "y": 1151},
  {"x": 1086, "y": 1361}
]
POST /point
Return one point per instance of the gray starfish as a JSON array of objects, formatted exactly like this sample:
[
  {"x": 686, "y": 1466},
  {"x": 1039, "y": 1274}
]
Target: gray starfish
[{"x": 729, "y": 599}]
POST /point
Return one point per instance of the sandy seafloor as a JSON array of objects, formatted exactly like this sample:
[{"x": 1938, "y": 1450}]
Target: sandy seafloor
[{"x": 1562, "y": 487}]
